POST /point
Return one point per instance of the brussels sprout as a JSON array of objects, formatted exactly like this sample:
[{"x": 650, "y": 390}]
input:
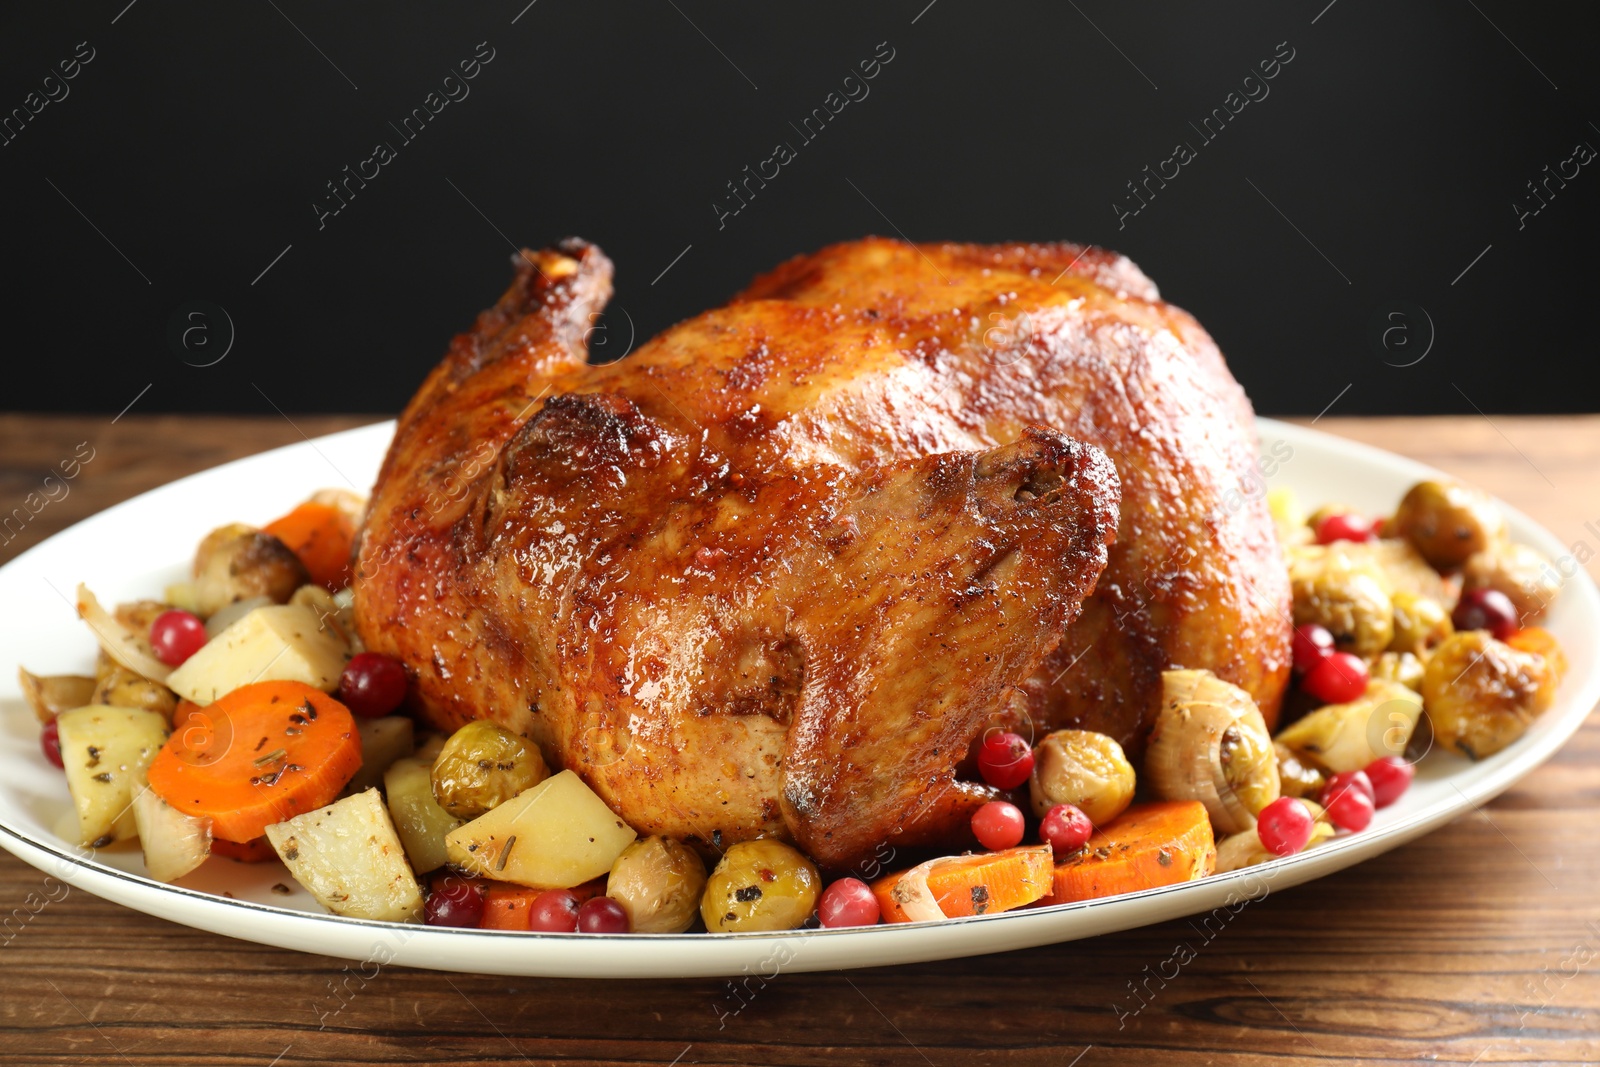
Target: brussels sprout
[
  {"x": 1083, "y": 768},
  {"x": 237, "y": 562},
  {"x": 482, "y": 766},
  {"x": 1521, "y": 572},
  {"x": 1481, "y": 694},
  {"x": 122, "y": 688},
  {"x": 1297, "y": 777},
  {"x": 658, "y": 882},
  {"x": 1447, "y": 521},
  {"x": 760, "y": 885},
  {"x": 1401, "y": 667},
  {"x": 1349, "y": 597},
  {"x": 1420, "y": 624}
]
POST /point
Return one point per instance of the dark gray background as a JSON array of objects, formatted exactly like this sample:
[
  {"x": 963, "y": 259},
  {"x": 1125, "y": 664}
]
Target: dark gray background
[{"x": 1377, "y": 178}]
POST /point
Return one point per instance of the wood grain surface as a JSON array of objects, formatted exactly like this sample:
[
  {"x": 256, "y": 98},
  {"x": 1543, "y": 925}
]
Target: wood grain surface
[{"x": 1479, "y": 944}]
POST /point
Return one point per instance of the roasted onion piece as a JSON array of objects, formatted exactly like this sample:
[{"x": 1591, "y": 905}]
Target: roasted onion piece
[{"x": 1211, "y": 744}]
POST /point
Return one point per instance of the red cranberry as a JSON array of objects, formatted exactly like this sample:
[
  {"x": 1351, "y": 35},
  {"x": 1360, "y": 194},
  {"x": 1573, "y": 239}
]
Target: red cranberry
[
  {"x": 998, "y": 825},
  {"x": 1350, "y": 808},
  {"x": 176, "y": 635},
  {"x": 1066, "y": 828},
  {"x": 50, "y": 741},
  {"x": 554, "y": 912},
  {"x": 454, "y": 902},
  {"x": 1486, "y": 609},
  {"x": 1390, "y": 777},
  {"x": 1312, "y": 644},
  {"x": 1005, "y": 759},
  {"x": 1338, "y": 679},
  {"x": 1284, "y": 826},
  {"x": 602, "y": 915},
  {"x": 848, "y": 902},
  {"x": 372, "y": 684},
  {"x": 1343, "y": 527}
]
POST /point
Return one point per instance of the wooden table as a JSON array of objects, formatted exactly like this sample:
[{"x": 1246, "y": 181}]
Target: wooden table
[{"x": 1478, "y": 944}]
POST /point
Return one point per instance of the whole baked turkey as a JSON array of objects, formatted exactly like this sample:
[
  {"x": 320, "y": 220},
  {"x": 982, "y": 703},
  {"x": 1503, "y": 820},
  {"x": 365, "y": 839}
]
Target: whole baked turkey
[{"x": 773, "y": 573}]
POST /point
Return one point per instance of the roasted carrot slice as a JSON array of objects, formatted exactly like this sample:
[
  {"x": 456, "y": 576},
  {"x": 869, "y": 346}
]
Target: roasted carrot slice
[
  {"x": 262, "y": 754},
  {"x": 257, "y": 851},
  {"x": 321, "y": 535},
  {"x": 1146, "y": 846},
  {"x": 974, "y": 885}
]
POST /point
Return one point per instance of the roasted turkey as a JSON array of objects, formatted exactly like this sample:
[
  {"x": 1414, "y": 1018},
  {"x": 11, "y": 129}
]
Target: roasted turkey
[{"x": 775, "y": 572}]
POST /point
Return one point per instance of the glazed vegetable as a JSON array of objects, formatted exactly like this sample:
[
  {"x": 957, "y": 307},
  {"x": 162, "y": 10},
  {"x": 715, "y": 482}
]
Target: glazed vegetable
[
  {"x": 1523, "y": 573},
  {"x": 321, "y": 535},
  {"x": 419, "y": 820},
  {"x": 1400, "y": 667},
  {"x": 979, "y": 884},
  {"x": 482, "y": 766},
  {"x": 173, "y": 843},
  {"x": 659, "y": 883},
  {"x": 278, "y": 643},
  {"x": 1420, "y": 624},
  {"x": 236, "y": 562},
  {"x": 127, "y": 645},
  {"x": 348, "y": 857},
  {"x": 1348, "y": 736},
  {"x": 1082, "y": 768},
  {"x": 1347, "y": 596},
  {"x": 105, "y": 751},
  {"x": 1541, "y": 642},
  {"x": 226, "y": 616},
  {"x": 122, "y": 688},
  {"x": 333, "y": 611},
  {"x": 1297, "y": 777},
  {"x": 1210, "y": 743},
  {"x": 760, "y": 885},
  {"x": 1148, "y": 845},
  {"x": 49, "y": 695},
  {"x": 557, "y": 834},
  {"x": 383, "y": 741},
  {"x": 272, "y": 751},
  {"x": 1481, "y": 694},
  {"x": 1447, "y": 522}
]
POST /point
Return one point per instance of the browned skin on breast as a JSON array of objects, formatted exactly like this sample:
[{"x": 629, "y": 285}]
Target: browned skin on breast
[{"x": 774, "y": 572}]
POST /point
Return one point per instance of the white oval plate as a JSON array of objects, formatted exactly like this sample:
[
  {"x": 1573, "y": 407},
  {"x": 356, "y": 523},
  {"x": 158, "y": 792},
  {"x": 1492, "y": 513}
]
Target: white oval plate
[{"x": 136, "y": 548}]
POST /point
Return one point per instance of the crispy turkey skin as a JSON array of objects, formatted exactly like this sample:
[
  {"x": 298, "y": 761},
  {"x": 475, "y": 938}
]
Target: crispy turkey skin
[{"x": 774, "y": 572}]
